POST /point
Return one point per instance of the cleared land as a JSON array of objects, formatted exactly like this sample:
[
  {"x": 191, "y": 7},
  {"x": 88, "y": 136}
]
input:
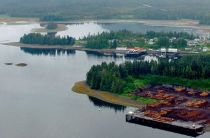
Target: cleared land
[{"x": 12, "y": 20}]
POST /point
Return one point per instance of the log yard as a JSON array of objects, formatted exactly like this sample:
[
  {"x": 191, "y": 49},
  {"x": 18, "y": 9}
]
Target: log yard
[{"x": 179, "y": 109}]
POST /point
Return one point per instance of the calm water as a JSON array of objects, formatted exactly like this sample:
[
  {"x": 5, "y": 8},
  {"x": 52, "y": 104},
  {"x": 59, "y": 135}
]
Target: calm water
[
  {"x": 92, "y": 28},
  {"x": 142, "y": 28},
  {"x": 37, "y": 102}
]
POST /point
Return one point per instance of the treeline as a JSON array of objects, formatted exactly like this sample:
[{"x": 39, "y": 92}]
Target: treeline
[
  {"x": 183, "y": 35},
  {"x": 36, "y": 38},
  {"x": 165, "y": 39},
  {"x": 112, "y": 77},
  {"x": 109, "y": 9},
  {"x": 51, "y": 26},
  {"x": 114, "y": 35},
  {"x": 107, "y": 40},
  {"x": 126, "y": 38},
  {"x": 204, "y": 19},
  {"x": 52, "y": 18},
  {"x": 166, "y": 43}
]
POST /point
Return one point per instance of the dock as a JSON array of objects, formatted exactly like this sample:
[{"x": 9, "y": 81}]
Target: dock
[{"x": 187, "y": 128}]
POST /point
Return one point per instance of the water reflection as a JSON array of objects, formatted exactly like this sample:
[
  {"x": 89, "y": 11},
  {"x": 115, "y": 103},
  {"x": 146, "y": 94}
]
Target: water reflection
[
  {"x": 102, "y": 55},
  {"x": 146, "y": 57},
  {"x": 102, "y": 104},
  {"x": 48, "y": 51},
  {"x": 94, "y": 53}
]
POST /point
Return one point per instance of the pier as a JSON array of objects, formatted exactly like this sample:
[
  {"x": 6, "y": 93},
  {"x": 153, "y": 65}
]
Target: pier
[{"x": 193, "y": 129}]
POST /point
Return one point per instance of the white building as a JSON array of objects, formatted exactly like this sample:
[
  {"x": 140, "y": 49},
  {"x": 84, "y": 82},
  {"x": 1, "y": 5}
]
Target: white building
[
  {"x": 192, "y": 43},
  {"x": 172, "y": 39},
  {"x": 205, "y": 49},
  {"x": 170, "y": 50},
  {"x": 151, "y": 42},
  {"x": 121, "y": 48}
]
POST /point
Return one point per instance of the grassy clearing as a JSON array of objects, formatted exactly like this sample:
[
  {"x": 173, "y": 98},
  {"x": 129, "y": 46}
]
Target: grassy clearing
[
  {"x": 7, "y": 19},
  {"x": 133, "y": 83},
  {"x": 143, "y": 100},
  {"x": 203, "y": 84},
  {"x": 80, "y": 42}
]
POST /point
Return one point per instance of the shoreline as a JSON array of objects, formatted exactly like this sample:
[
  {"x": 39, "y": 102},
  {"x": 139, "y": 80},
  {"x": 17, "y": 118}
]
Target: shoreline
[
  {"x": 172, "y": 23},
  {"x": 60, "y": 28},
  {"x": 184, "y": 23},
  {"x": 18, "y": 20},
  {"x": 74, "y": 47},
  {"x": 67, "y": 47},
  {"x": 82, "y": 88},
  {"x": 194, "y": 24}
]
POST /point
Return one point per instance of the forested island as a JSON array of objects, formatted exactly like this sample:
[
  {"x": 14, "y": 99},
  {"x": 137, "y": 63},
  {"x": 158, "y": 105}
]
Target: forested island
[
  {"x": 51, "y": 26},
  {"x": 50, "y": 18},
  {"x": 189, "y": 71},
  {"x": 151, "y": 39},
  {"x": 39, "y": 39}
]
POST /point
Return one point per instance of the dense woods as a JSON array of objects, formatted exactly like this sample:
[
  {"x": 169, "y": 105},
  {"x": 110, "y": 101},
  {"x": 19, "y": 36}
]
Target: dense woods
[
  {"x": 36, "y": 38},
  {"x": 126, "y": 38},
  {"x": 109, "y": 39},
  {"x": 112, "y": 77},
  {"x": 184, "y": 35},
  {"x": 51, "y": 18},
  {"x": 51, "y": 26},
  {"x": 108, "y": 9}
]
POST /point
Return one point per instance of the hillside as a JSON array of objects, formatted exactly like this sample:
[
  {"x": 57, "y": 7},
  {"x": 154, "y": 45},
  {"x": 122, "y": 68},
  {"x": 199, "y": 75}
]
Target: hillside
[{"x": 95, "y": 9}]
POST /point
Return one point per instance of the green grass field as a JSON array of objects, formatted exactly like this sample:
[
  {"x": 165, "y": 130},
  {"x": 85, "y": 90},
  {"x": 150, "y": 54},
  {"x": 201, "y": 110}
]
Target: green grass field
[{"x": 143, "y": 81}]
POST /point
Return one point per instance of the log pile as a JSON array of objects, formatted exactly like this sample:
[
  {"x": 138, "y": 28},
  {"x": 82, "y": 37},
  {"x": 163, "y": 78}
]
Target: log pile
[
  {"x": 204, "y": 94},
  {"x": 197, "y": 103},
  {"x": 157, "y": 116},
  {"x": 176, "y": 103},
  {"x": 189, "y": 115},
  {"x": 180, "y": 89}
]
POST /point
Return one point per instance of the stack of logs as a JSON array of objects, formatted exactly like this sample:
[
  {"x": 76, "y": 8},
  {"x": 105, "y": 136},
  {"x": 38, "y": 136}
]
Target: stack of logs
[
  {"x": 157, "y": 116},
  {"x": 197, "y": 103},
  {"x": 188, "y": 115}
]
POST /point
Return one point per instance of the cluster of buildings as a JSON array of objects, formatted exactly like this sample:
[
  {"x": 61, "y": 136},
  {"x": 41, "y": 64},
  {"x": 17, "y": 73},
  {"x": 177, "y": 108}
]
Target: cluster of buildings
[
  {"x": 192, "y": 45},
  {"x": 152, "y": 41},
  {"x": 139, "y": 52},
  {"x": 155, "y": 40}
]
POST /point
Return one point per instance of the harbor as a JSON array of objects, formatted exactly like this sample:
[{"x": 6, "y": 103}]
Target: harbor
[
  {"x": 46, "y": 107},
  {"x": 129, "y": 53}
]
